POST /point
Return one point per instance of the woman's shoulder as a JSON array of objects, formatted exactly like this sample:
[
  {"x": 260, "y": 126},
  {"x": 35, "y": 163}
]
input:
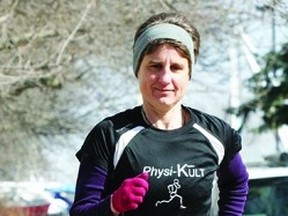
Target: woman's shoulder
[
  {"x": 121, "y": 119},
  {"x": 207, "y": 119}
]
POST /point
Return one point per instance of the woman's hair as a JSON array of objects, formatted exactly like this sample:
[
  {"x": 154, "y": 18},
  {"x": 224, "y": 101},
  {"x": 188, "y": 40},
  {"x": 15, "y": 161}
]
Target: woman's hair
[{"x": 172, "y": 18}]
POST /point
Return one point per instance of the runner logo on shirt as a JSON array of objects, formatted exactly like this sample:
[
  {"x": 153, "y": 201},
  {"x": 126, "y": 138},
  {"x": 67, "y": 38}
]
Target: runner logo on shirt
[
  {"x": 179, "y": 170},
  {"x": 173, "y": 193}
]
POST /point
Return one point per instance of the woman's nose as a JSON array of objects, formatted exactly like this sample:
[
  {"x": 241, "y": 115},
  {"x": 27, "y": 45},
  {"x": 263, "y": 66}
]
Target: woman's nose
[{"x": 165, "y": 75}]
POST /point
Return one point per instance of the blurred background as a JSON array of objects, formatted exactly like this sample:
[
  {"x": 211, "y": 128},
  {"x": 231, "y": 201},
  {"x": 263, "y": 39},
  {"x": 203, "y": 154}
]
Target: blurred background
[{"x": 65, "y": 65}]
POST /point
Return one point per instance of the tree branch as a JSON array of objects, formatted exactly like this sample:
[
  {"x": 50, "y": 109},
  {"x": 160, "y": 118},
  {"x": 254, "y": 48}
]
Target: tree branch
[
  {"x": 16, "y": 41},
  {"x": 71, "y": 36}
]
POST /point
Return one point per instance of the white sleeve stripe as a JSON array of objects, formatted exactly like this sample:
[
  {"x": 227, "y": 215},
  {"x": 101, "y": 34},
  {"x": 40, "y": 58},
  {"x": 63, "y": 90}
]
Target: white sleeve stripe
[
  {"x": 217, "y": 145},
  {"x": 123, "y": 142}
]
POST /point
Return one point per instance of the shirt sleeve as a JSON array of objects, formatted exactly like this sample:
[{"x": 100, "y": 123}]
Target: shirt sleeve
[
  {"x": 233, "y": 187},
  {"x": 98, "y": 145},
  {"x": 88, "y": 199}
]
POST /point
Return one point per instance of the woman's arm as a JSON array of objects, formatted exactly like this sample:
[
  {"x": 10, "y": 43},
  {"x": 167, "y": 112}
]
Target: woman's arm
[
  {"x": 89, "y": 187},
  {"x": 233, "y": 187}
]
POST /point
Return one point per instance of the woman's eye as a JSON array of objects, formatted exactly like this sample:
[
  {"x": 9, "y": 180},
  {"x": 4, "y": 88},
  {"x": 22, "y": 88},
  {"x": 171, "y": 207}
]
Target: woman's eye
[
  {"x": 156, "y": 66},
  {"x": 176, "y": 67}
]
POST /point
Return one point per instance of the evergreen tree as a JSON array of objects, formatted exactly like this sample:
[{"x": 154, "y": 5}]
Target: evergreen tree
[{"x": 270, "y": 87}]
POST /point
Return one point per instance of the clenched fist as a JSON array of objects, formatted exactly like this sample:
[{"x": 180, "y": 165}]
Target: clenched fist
[{"x": 131, "y": 193}]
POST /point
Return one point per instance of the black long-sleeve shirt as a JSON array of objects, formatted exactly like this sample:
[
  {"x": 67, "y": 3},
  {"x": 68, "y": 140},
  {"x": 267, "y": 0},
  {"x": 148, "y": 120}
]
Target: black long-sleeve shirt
[{"x": 182, "y": 165}]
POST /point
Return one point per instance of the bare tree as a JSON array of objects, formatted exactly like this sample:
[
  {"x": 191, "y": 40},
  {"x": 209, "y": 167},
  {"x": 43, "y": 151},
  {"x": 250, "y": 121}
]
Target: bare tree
[{"x": 61, "y": 63}]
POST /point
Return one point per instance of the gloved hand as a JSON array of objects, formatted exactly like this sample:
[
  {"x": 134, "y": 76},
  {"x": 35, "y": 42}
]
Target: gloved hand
[{"x": 131, "y": 193}]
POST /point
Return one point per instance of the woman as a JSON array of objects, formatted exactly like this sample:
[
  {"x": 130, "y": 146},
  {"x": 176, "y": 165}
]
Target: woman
[{"x": 161, "y": 158}]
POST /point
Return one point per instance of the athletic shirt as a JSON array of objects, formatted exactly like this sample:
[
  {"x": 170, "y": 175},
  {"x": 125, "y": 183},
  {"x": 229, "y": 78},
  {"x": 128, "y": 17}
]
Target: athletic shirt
[{"x": 181, "y": 163}]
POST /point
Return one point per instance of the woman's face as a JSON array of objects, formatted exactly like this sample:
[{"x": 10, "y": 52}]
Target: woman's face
[{"x": 163, "y": 77}]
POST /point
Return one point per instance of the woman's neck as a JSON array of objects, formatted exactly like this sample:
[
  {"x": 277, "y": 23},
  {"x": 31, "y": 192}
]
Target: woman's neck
[{"x": 166, "y": 120}]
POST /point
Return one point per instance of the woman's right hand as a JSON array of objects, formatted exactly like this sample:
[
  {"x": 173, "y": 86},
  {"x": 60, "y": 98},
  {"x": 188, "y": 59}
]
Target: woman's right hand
[{"x": 130, "y": 194}]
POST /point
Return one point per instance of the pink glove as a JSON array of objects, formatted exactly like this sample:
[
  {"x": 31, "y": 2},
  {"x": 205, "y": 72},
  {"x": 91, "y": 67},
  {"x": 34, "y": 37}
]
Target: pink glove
[{"x": 131, "y": 193}]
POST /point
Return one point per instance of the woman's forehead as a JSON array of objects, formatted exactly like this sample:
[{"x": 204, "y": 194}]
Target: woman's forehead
[{"x": 166, "y": 48}]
